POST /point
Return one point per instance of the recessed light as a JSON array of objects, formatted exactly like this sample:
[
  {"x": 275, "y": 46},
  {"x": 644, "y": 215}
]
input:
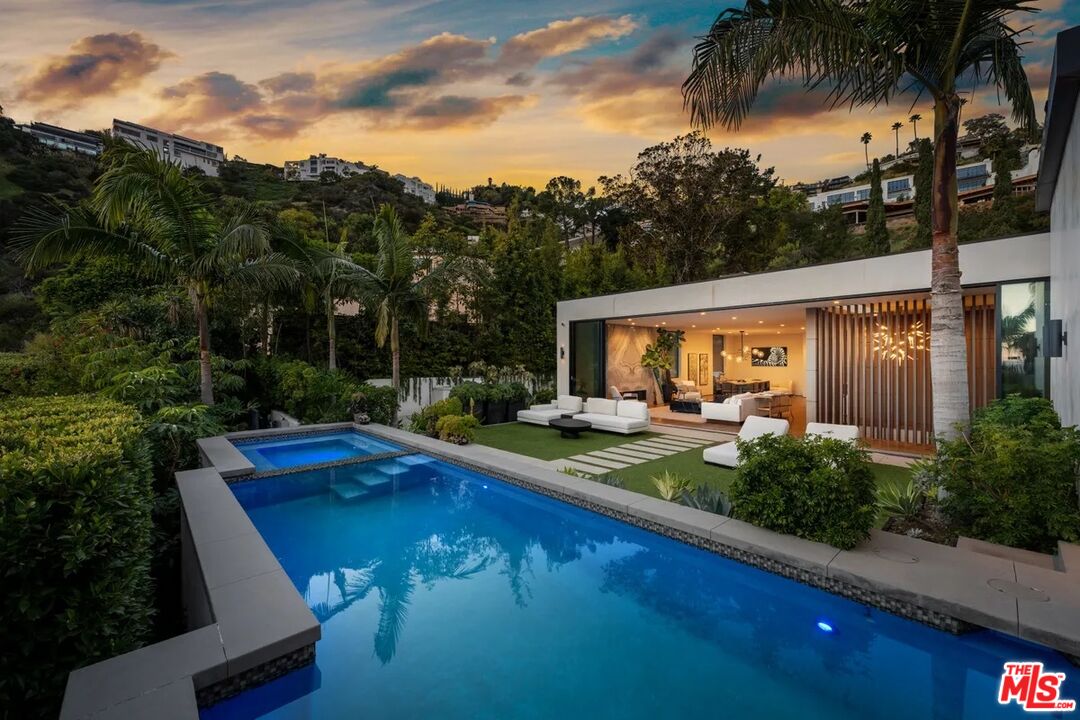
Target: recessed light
[
  {"x": 760, "y": 322},
  {"x": 693, "y": 326},
  {"x": 664, "y": 323},
  {"x": 781, "y": 324},
  {"x": 629, "y": 319},
  {"x": 734, "y": 318},
  {"x": 835, "y": 302}
]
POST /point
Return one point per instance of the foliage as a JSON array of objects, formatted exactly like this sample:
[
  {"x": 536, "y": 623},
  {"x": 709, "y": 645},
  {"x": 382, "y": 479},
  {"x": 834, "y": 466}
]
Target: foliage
[
  {"x": 612, "y": 480},
  {"x": 424, "y": 422},
  {"x": 471, "y": 394},
  {"x": 379, "y": 402},
  {"x": 904, "y": 501},
  {"x": 1011, "y": 479},
  {"x": 671, "y": 486},
  {"x": 819, "y": 489},
  {"x": 18, "y": 373},
  {"x": 544, "y": 395},
  {"x": 172, "y": 432},
  {"x": 924, "y": 189},
  {"x": 660, "y": 356},
  {"x": 458, "y": 429},
  {"x": 876, "y": 235},
  {"x": 313, "y": 395},
  {"x": 75, "y": 542},
  {"x": 708, "y": 498}
]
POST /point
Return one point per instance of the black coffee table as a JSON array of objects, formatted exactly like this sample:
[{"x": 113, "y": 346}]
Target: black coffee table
[{"x": 568, "y": 427}]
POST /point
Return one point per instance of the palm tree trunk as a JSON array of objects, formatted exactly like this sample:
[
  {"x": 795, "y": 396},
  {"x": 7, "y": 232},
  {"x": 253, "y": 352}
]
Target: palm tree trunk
[
  {"x": 395, "y": 363},
  {"x": 202, "y": 319},
  {"x": 948, "y": 347},
  {"x": 331, "y": 333},
  {"x": 267, "y": 324},
  {"x": 866, "y": 154}
]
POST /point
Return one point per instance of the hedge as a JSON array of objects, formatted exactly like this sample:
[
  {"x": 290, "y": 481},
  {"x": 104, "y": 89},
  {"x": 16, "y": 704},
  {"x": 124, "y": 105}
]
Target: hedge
[{"x": 75, "y": 542}]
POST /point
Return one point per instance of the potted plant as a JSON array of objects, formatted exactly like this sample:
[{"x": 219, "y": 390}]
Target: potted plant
[
  {"x": 497, "y": 402},
  {"x": 660, "y": 358},
  {"x": 473, "y": 398},
  {"x": 518, "y": 400},
  {"x": 358, "y": 406}
]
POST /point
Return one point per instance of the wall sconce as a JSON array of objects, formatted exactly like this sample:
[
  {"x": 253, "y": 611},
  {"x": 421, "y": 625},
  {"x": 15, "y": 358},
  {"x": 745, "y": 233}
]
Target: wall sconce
[
  {"x": 1056, "y": 339},
  {"x": 562, "y": 352}
]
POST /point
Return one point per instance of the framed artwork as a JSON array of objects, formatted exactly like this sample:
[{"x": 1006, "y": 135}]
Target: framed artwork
[
  {"x": 703, "y": 377},
  {"x": 691, "y": 367},
  {"x": 775, "y": 356}
]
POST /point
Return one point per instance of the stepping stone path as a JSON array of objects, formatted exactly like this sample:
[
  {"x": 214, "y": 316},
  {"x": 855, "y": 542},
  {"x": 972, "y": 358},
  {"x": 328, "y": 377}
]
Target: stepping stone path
[{"x": 599, "y": 462}]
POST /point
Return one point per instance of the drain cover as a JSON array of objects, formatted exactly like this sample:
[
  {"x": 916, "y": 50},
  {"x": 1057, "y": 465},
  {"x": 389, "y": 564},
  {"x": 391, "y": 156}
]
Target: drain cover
[
  {"x": 1017, "y": 590},
  {"x": 895, "y": 556}
]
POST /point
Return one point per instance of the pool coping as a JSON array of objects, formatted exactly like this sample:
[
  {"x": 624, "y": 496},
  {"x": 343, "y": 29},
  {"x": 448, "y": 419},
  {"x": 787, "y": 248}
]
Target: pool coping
[{"x": 250, "y": 624}]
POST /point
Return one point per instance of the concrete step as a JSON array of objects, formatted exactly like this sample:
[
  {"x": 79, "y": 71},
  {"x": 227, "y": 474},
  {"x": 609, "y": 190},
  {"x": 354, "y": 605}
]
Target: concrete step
[
  {"x": 348, "y": 490},
  {"x": 1067, "y": 559}
]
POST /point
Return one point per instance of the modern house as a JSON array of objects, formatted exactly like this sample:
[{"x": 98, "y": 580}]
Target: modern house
[
  {"x": 419, "y": 188},
  {"x": 311, "y": 170},
  {"x": 184, "y": 151},
  {"x": 63, "y": 139}
]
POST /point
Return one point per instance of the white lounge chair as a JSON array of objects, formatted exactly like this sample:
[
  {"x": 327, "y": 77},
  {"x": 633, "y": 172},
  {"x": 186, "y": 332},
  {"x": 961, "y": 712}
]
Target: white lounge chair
[
  {"x": 542, "y": 414},
  {"x": 619, "y": 416},
  {"x": 727, "y": 454},
  {"x": 840, "y": 432}
]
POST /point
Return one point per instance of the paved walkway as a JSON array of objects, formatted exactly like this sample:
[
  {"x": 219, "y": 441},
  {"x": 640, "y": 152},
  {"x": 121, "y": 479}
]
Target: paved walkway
[{"x": 633, "y": 452}]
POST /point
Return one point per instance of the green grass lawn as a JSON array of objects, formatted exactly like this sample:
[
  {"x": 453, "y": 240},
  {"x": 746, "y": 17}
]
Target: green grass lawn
[{"x": 546, "y": 444}]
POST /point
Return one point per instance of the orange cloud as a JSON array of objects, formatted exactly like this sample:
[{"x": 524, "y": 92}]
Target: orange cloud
[
  {"x": 562, "y": 37},
  {"x": 98, "y": 65}
]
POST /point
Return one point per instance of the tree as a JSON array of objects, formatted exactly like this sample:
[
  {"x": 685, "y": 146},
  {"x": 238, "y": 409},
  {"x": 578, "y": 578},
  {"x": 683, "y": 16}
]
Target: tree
[
  {"x": 867, "y": 53},
  {"x": 877, "y": 235},
  {"x": 914, "y": 120},
  {"x": 145, "y": 209},
  {"x": 689, "y": 203},
  {"x": 924, "y": 193},
  {"x": 896, "y": 126},
  {"x": 865, "y": 140},
  {"x": 401, "y": 287}
]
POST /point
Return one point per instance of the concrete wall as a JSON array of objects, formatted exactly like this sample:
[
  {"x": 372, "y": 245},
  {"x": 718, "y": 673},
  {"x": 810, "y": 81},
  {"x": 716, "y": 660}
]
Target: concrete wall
[
  {"x": 1017, "y": 258},
  {"x": 1065, "y": 277}
]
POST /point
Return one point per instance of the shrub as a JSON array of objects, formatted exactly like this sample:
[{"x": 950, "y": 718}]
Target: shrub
[
  {"x": 612, "y": 480},
  {"x": 1012, "y": 478},
  {"x": 671, "y": 486},
  {"x": 18, "y": 373},
  {"x": 378, "y": 402},
  {"x": 458, "y": 429},
  {"x": 707, "y": 498},
  {"x": 311, "y": 394},
  {"x": 544, "y": 396},
  {"x": 815, "y": 488},
  {"x": 903, "y": 501},
  {"x": 423, "y": 422},
  {"x": 471, "y": 395},
  {"x": 75, "y": 542}
]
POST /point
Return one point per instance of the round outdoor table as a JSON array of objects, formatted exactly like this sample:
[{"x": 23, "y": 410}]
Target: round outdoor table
[{"x": 568, "y": 427}]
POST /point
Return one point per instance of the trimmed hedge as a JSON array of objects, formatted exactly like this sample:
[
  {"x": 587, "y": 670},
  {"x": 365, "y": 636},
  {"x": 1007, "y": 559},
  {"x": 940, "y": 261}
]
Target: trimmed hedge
[
  {"x": 815, "y": 488},
  {"x": 75, "y": 542}
]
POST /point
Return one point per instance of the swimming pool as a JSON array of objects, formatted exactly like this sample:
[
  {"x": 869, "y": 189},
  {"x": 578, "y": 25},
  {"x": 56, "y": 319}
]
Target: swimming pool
[
  {"x": 444, "y": 593},
  {"x": 276, "y": 454}
]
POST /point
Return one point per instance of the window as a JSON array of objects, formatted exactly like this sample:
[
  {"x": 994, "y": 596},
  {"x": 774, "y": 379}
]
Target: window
[
  {"x": 863, "y": 194},
  {"x": 1023, "y": 316},
  {"x": 587, "y": 356},
  {"x": 900, "y": 185}
]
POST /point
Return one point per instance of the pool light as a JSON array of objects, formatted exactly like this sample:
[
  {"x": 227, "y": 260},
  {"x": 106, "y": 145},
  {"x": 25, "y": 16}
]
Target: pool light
[{"x": 824, "y": 626}]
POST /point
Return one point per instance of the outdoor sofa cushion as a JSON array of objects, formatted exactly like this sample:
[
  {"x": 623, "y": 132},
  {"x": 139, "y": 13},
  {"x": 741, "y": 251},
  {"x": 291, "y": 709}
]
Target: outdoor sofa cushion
[
  {"x": 601, "y": 406},
  {"x": 540, "y": 414},
  {"x": 727, "y": 454},
  {"x": 568, "y": 403}
]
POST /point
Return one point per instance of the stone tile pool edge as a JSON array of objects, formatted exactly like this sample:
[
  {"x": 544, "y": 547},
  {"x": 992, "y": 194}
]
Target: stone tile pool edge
[{"x": 250, "y": 625}]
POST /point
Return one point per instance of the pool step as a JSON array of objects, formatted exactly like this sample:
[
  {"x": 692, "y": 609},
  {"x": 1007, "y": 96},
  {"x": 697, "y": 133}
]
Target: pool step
[{"x": 348, "y": 490}]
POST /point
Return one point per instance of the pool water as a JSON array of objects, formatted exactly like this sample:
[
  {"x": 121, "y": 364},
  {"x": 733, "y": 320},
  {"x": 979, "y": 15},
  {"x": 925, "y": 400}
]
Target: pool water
[
  {"x": 444, "y": 593},
  {"x": 275, "y": 454}
]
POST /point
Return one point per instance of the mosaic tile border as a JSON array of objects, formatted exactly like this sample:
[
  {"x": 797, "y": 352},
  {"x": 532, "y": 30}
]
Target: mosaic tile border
[
  {"x": 291, "y": 435},
  {"x": 260, "y": 675}
]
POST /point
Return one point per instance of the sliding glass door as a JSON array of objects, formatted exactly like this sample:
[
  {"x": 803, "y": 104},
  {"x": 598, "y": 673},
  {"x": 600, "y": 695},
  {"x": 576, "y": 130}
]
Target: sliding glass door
[{"x": 587, "y": 358}]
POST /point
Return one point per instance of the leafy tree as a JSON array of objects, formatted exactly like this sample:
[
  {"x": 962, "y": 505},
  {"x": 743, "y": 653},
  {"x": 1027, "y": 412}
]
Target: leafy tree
[
  {"x": 877, "y": 235},
  {"x": 145, "y": 209},
  {"x": 866, "y": 53},
  {"x": 689, "y": 203}
]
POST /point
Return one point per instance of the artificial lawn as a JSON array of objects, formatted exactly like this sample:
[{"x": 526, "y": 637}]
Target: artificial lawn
[{"x": 545, "y": 443}]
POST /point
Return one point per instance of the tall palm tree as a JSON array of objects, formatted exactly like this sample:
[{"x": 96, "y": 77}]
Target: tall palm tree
[
  {"x": 402, "y": 285},
  {"x": 914, "y": 119},
  {"x": 145, "y": 209},
  {"x": 867, "y": 52},
  {"x": 865, "y": 140},
  {"x": 896, "y": 129}
]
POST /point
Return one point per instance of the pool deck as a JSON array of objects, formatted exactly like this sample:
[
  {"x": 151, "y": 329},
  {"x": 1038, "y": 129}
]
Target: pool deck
[{"x": 249, "y": 624}]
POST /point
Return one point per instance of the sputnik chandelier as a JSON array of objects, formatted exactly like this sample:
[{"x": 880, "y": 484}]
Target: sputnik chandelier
[{"x": 899, "y": 346}]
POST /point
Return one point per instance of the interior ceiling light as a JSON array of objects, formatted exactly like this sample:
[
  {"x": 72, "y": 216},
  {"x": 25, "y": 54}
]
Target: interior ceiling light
[
  {"x": 899, "y": 346},
  {"x": 742, "y": 347}
]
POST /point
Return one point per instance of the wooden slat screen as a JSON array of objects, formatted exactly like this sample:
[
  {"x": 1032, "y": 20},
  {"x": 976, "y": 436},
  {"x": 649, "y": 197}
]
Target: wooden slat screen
[{"x": 890, "y": 400}]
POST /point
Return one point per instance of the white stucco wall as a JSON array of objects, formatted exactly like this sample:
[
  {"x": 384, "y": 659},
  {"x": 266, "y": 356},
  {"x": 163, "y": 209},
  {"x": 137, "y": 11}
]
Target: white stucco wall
[
  {"x": 1065, "y": 276},
  {"x": 1017, "y": 258}
]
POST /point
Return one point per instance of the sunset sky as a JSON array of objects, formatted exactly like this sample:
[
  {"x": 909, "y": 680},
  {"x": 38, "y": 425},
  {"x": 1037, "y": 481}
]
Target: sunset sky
[{"x": 454, "y": 91}]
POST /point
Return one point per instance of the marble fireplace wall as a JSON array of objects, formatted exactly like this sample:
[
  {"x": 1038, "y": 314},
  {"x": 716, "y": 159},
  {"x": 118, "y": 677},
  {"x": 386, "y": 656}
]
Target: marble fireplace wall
[{"x": 625, "y": 345}]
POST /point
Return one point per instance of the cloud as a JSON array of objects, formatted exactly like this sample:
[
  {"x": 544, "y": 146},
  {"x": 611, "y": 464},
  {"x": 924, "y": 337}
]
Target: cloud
[
  {"x": 460, "y": 111},
  {"x": 289, "y": 82},
  {"x": 98, "y": 65},
  {"x": 561, "y": 37},
  {"x": 207, "y": 99}
]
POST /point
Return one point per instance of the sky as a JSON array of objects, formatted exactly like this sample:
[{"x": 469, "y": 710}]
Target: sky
[{"x": 455, "y": 91}]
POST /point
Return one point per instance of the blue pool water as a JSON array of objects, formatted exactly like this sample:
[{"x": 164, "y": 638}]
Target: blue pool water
[
  {"x": 447, "y": 594},
  {"x": 277, "y": 454}
]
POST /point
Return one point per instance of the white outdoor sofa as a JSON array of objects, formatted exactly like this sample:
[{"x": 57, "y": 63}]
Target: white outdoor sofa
[
  {"x": 755, "y": 426},
  {"x": 618, "y": 416},
  {"x": 840, "y": 432},
  {"x": 542, "y": 414}
]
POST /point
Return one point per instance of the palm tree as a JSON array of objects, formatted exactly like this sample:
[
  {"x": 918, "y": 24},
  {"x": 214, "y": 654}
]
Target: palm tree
[
  {"x": 896, "y": 129},
  {"x": 144, "y": 208},
  {"x": 402, "y": 286},
  {"x": 867, "y": 53},
  {"x": 865, "y": 140},
  {"x": 914, "y": 119}
]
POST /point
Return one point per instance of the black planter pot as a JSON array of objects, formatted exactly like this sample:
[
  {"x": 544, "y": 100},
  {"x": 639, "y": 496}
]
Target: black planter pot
[
  {"x": 496, "y": 412},
  {"x": 513, "y": 408}
]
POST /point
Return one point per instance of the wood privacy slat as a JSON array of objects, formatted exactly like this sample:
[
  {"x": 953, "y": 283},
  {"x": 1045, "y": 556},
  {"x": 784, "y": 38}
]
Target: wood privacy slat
[{"x": 891, "y": 401}]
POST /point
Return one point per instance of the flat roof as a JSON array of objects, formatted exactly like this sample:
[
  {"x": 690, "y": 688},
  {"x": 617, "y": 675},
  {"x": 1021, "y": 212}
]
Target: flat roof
[{"x": 1060, "y": 106}]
